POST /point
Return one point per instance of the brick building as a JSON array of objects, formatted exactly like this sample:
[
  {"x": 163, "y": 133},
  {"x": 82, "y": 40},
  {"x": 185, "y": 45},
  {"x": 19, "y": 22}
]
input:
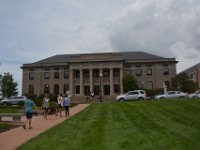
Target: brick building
[{"x": 96, "y": 72}]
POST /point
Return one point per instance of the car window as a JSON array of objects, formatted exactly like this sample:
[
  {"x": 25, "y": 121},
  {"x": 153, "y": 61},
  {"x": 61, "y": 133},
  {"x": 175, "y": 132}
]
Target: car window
[
  {"x": 20, "y": 97},
  {"x": 133, "y": 93},
  {"x": 142, "y": 92},
  {"x": 170, "y": 93}
]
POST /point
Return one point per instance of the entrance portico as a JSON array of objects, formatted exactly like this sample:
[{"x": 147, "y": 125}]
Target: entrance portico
[{"x": 99, "y": 77}]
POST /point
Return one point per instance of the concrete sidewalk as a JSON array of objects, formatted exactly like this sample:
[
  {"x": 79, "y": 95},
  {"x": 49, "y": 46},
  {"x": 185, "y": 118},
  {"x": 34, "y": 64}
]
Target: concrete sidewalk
[{"x": 13, "y": 138}]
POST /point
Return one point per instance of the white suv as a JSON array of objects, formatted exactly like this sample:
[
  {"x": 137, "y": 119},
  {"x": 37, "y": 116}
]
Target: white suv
[
  {"x": 132, "y": 95},
  {"x": 13, "y": 100}
]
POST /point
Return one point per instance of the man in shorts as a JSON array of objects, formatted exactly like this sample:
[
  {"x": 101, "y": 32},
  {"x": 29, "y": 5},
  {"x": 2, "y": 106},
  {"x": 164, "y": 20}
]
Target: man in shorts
[{"x": 28, "y": 108}]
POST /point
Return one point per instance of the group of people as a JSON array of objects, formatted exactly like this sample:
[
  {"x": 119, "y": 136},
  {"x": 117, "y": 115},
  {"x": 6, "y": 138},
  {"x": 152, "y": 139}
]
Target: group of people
[{"x": 61, "y": 102}]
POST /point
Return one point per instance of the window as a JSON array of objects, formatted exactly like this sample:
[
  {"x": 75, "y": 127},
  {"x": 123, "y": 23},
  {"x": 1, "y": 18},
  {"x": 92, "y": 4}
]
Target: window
[
  {"x": 167, "y": 83},
  {"x": 116, "y": 72},
  {"x": 31, "y": 89},
  {"x": 65, "y": 88},
  {"x": 149, "y": 85},
  {"x": 31, "y": 75},
  {"x": 127, "y": 71},
  {"x": 77, "y": 74},
  {"x": 116, "y": 88},
  {"x": 106, "y": 89},
  {"x": 106, "y": 72},
  {"x": 56, "y": 73},
  {"x": 56, "y": 89},
  {"x": 148, "y": 70},
  {"x": 46, "y": 75},
  {"x": 165, "y": 69},
  {"x": 46, "y": 88},
  {"x": 138, "y": 70},
  {"x": 86, "y": 73},
  {"x": 66, "y": 74},
  {"x": 133, "y": 93},
  {"x": 77, "y": 89}
]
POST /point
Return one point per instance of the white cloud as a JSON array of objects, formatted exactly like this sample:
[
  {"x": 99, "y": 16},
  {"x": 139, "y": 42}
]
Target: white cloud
[{"x": 170, "y": 28}]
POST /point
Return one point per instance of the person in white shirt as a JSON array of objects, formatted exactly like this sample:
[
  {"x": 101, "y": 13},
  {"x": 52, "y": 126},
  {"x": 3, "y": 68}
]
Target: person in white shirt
[
  {"x": 45, "y": 106},
  {"x": 60, "y": 104}
]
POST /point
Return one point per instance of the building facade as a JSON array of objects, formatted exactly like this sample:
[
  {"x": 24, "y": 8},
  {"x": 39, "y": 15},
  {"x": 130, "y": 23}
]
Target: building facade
[
  {"x": 194, "y": 73},
  {"x": 100, "y": 73}
]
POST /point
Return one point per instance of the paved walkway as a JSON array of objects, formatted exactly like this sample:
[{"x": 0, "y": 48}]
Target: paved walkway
[{"x": 13, "y": 138}]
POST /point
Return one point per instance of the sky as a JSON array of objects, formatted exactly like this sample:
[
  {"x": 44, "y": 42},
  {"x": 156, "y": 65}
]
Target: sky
[{"x": 32, "y": 30}]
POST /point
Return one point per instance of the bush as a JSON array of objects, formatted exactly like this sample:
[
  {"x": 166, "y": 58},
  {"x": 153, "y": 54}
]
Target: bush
[
  {"x": 21, "y": 103},
  {"x": 53, "y": 108}
]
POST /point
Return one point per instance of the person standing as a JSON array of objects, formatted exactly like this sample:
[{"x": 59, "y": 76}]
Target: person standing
[
  {"x": 28, "y": 109},
  {"x": 45, "y": 105},
  {"x": 66, "y": 104},
  {"x": 60, "y": 104}
]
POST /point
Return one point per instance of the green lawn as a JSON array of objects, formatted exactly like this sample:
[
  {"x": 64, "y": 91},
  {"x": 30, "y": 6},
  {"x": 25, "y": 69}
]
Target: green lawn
[
  {"x": 10, "y": 109},
  {"x": 147, "y": 125}
]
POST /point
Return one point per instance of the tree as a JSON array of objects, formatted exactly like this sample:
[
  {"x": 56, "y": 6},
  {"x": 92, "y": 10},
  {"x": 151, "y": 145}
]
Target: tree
[
  {"x": 8, "y": 86},
  {"x": 129, "y": 83},
  {"x": 183, "y": 83}
]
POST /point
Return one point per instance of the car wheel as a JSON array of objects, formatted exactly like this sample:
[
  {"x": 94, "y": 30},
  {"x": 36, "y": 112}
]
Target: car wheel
[
  {"x": 122, "y": 100},
  {"x": 162, "y": 98},
  {"x": 5, "y": 103},
  {"x": 140, "y": 98},
  {"x": 181, "y": 97}
]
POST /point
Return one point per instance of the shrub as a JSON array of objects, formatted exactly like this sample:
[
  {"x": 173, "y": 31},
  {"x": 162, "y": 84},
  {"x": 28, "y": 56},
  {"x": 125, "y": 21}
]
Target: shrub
[{"x": 53, "y": 107}]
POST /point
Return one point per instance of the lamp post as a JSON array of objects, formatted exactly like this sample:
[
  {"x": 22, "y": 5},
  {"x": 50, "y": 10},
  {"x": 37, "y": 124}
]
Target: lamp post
[{"x": 100, "y": 86}]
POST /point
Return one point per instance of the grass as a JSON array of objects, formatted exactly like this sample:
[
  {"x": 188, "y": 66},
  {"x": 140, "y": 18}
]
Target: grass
[
  {"x": 10, "y": 109},
  {"x": 6, "y": 126},
  {"x": 152, "y": 125}
]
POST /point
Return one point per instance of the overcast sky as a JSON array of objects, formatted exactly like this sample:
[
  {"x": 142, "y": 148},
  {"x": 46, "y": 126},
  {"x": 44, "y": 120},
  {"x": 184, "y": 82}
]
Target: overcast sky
[{"x": 31, "y": 30}]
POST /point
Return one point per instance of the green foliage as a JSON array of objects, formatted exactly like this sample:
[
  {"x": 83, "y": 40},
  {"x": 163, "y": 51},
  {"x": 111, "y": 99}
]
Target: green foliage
[
  {"x": 183, "y": 83},
  {"x": 38, "y": 99},
  {"x": 21, "y": 103},
  {"x": 153, "y": 92},
  {"x": 129, "y": 83},
  {"x": 53, "y": 107},
  {"x": 8, "y": 86}
]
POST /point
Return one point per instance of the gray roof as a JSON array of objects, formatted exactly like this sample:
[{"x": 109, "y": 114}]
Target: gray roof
[{"x": 126, "y": 56}]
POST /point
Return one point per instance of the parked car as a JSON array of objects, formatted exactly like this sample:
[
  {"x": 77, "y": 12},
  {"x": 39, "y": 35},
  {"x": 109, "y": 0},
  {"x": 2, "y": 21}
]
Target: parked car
[
  {"x": 132, "y": 95},
  {"x": 13, "y": 100},
  {"x": 195, "y": 94},
  {"x": 172, "y": 95}
]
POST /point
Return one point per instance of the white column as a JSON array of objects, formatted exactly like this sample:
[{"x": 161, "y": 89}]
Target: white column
[
  {"x": 81, "y": 81},
  {"x": 101, "y": 81},
  {"x": 91, "y": 81},
  {"x": 71, "y": 81}
]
